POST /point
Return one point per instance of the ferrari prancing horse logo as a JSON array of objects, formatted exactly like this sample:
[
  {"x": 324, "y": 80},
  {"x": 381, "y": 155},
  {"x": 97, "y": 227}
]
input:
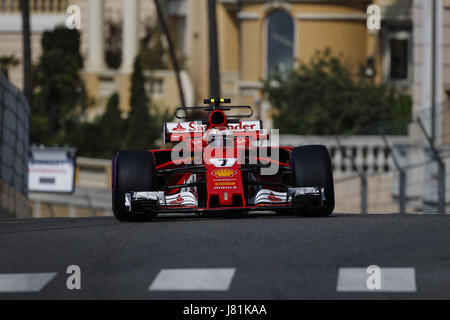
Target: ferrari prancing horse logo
[{"x": 224, "y": 173}]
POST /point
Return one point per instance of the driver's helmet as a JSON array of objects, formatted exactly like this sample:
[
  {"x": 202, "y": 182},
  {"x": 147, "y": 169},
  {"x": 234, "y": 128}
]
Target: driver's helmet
[{"x": 218, "y": 138}]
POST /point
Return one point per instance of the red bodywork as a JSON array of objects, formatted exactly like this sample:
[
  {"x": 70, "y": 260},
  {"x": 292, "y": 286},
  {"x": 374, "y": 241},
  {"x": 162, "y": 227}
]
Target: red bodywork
[{"x": 219, "y": 187}]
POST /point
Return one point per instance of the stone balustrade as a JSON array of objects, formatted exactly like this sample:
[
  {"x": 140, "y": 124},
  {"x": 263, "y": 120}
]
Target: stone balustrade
[
  {"x": 369, "y": 152},
  {"x": 36, "y": 6}
]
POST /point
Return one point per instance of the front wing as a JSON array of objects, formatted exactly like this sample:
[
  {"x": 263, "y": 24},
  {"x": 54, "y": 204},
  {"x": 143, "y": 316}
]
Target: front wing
[{"x": 264, "y": 200}]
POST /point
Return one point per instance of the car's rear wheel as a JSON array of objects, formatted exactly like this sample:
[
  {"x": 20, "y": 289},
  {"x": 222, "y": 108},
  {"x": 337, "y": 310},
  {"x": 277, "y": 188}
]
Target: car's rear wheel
[
  {"x": 132, "y": 171},
  {"x": 311, "y": 167}
]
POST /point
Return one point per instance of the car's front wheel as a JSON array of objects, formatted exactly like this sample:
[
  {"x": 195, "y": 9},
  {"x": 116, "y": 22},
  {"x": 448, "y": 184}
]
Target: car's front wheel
[
  {"x": 311, "y": 167},
  {"x": 132, "y": 171}
]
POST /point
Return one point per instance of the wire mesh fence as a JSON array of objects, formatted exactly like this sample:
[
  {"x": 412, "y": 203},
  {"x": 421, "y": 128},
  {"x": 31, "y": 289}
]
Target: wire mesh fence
[{"x": 14, "y": 136}]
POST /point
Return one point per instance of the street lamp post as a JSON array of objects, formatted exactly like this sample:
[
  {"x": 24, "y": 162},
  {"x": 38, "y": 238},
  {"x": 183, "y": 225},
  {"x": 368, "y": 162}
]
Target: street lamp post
[
  {"x": 214, "y": 77},
  {"x": 25, "y": 8}
]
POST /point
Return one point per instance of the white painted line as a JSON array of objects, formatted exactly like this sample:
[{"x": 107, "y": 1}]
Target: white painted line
[
  {"x": 24, "y": 282},
  {"x": 391, "y": 280},
  {"x": 218, "y": 279}
]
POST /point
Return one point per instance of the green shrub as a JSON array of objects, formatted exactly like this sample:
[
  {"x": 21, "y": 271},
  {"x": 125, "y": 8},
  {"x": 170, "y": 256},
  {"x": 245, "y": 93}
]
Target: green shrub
[{"x": 327, "y": 97}]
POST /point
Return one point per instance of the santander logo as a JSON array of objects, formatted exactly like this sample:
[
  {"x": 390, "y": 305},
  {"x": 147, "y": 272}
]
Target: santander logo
[
  {"x": 179, "y": 127},
  {"x": 195, "y": 126}
]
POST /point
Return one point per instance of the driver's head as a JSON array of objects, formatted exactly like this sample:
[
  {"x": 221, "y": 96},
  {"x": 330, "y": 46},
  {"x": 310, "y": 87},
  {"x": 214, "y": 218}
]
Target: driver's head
[{"x": 218, "y": 138}]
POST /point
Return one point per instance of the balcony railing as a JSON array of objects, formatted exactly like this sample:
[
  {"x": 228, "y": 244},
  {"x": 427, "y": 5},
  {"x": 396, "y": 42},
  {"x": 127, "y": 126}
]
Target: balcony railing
[
  {"x": 370, "y": 154},
  {"x": 36, "y": 6}
]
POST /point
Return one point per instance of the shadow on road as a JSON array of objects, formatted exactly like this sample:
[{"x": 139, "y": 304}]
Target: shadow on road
[{"x": 224, "y": 216}]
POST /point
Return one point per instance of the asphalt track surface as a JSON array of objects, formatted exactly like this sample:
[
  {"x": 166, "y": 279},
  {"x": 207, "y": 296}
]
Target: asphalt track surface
[{"x": 272, "y": 257}]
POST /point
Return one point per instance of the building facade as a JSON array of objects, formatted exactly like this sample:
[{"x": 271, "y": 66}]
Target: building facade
[
  {"x": 255, "y": 36},
  {"x": 431, "y": 97},
  {"x": 432, "y": 69}
]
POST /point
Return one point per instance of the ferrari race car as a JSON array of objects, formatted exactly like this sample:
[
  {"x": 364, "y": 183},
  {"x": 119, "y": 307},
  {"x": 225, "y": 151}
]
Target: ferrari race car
[{"x": 221, "y": 164}]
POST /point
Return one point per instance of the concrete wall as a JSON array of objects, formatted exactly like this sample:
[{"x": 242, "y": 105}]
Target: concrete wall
[{"x": 13, "y": 204}]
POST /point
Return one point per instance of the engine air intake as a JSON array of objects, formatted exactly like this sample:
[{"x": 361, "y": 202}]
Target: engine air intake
[{"x": 217, "y": 119}]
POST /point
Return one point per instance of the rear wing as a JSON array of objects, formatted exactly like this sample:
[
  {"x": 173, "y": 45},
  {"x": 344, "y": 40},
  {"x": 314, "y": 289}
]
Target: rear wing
[
  {"x": 243, "y": 112},
  {"x": 175, "y": 131}
]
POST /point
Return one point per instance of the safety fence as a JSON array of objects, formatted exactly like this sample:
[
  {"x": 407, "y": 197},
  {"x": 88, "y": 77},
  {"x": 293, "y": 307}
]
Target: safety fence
[
  {"x": 363, "y": 168},
  {"x": 14, "y": 144},
  {"x": 389, "y": 174}
]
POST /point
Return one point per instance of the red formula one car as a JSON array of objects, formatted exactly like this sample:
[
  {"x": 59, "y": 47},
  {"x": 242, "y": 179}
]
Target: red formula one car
[{"x": 222, "y": 164}]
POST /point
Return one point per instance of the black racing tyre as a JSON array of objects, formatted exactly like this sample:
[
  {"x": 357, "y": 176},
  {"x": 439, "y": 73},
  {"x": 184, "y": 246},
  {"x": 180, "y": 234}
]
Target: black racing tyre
[
  {"x": 132, "y": 171},
  {"x": 311, "y": 167}
]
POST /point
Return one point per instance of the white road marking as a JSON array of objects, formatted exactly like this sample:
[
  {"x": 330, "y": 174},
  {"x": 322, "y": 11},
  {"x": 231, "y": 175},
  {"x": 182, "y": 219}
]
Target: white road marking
[
  {"x": 24, "y": 282},
  {"x": 392, "y": 280},
  {"x": 208, "y": 279}
]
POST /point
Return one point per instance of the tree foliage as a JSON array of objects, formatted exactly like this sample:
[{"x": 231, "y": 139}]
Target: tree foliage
[
  {"x": 152, "y": 49},
  {"x": 142, "y": 124},
  {"x": 112, "y": 132},
  {"x": 58, "y": 87},
  {"x": 113, "y": 44},
  {"x": 112, "y": 126},
  {"x": 7, "y": 62},
  {"x": 327, "y": 97},
  {"x": 60, "y": 110}
]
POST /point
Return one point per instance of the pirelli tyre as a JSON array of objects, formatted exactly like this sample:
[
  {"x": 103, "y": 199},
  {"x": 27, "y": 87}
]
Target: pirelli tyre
[
  {"x": 311, "y": 167},
  {"x": 132, "y": 171}
]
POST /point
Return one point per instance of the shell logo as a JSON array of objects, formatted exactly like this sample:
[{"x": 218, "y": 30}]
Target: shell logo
[{"x": 224, "y": 173}]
